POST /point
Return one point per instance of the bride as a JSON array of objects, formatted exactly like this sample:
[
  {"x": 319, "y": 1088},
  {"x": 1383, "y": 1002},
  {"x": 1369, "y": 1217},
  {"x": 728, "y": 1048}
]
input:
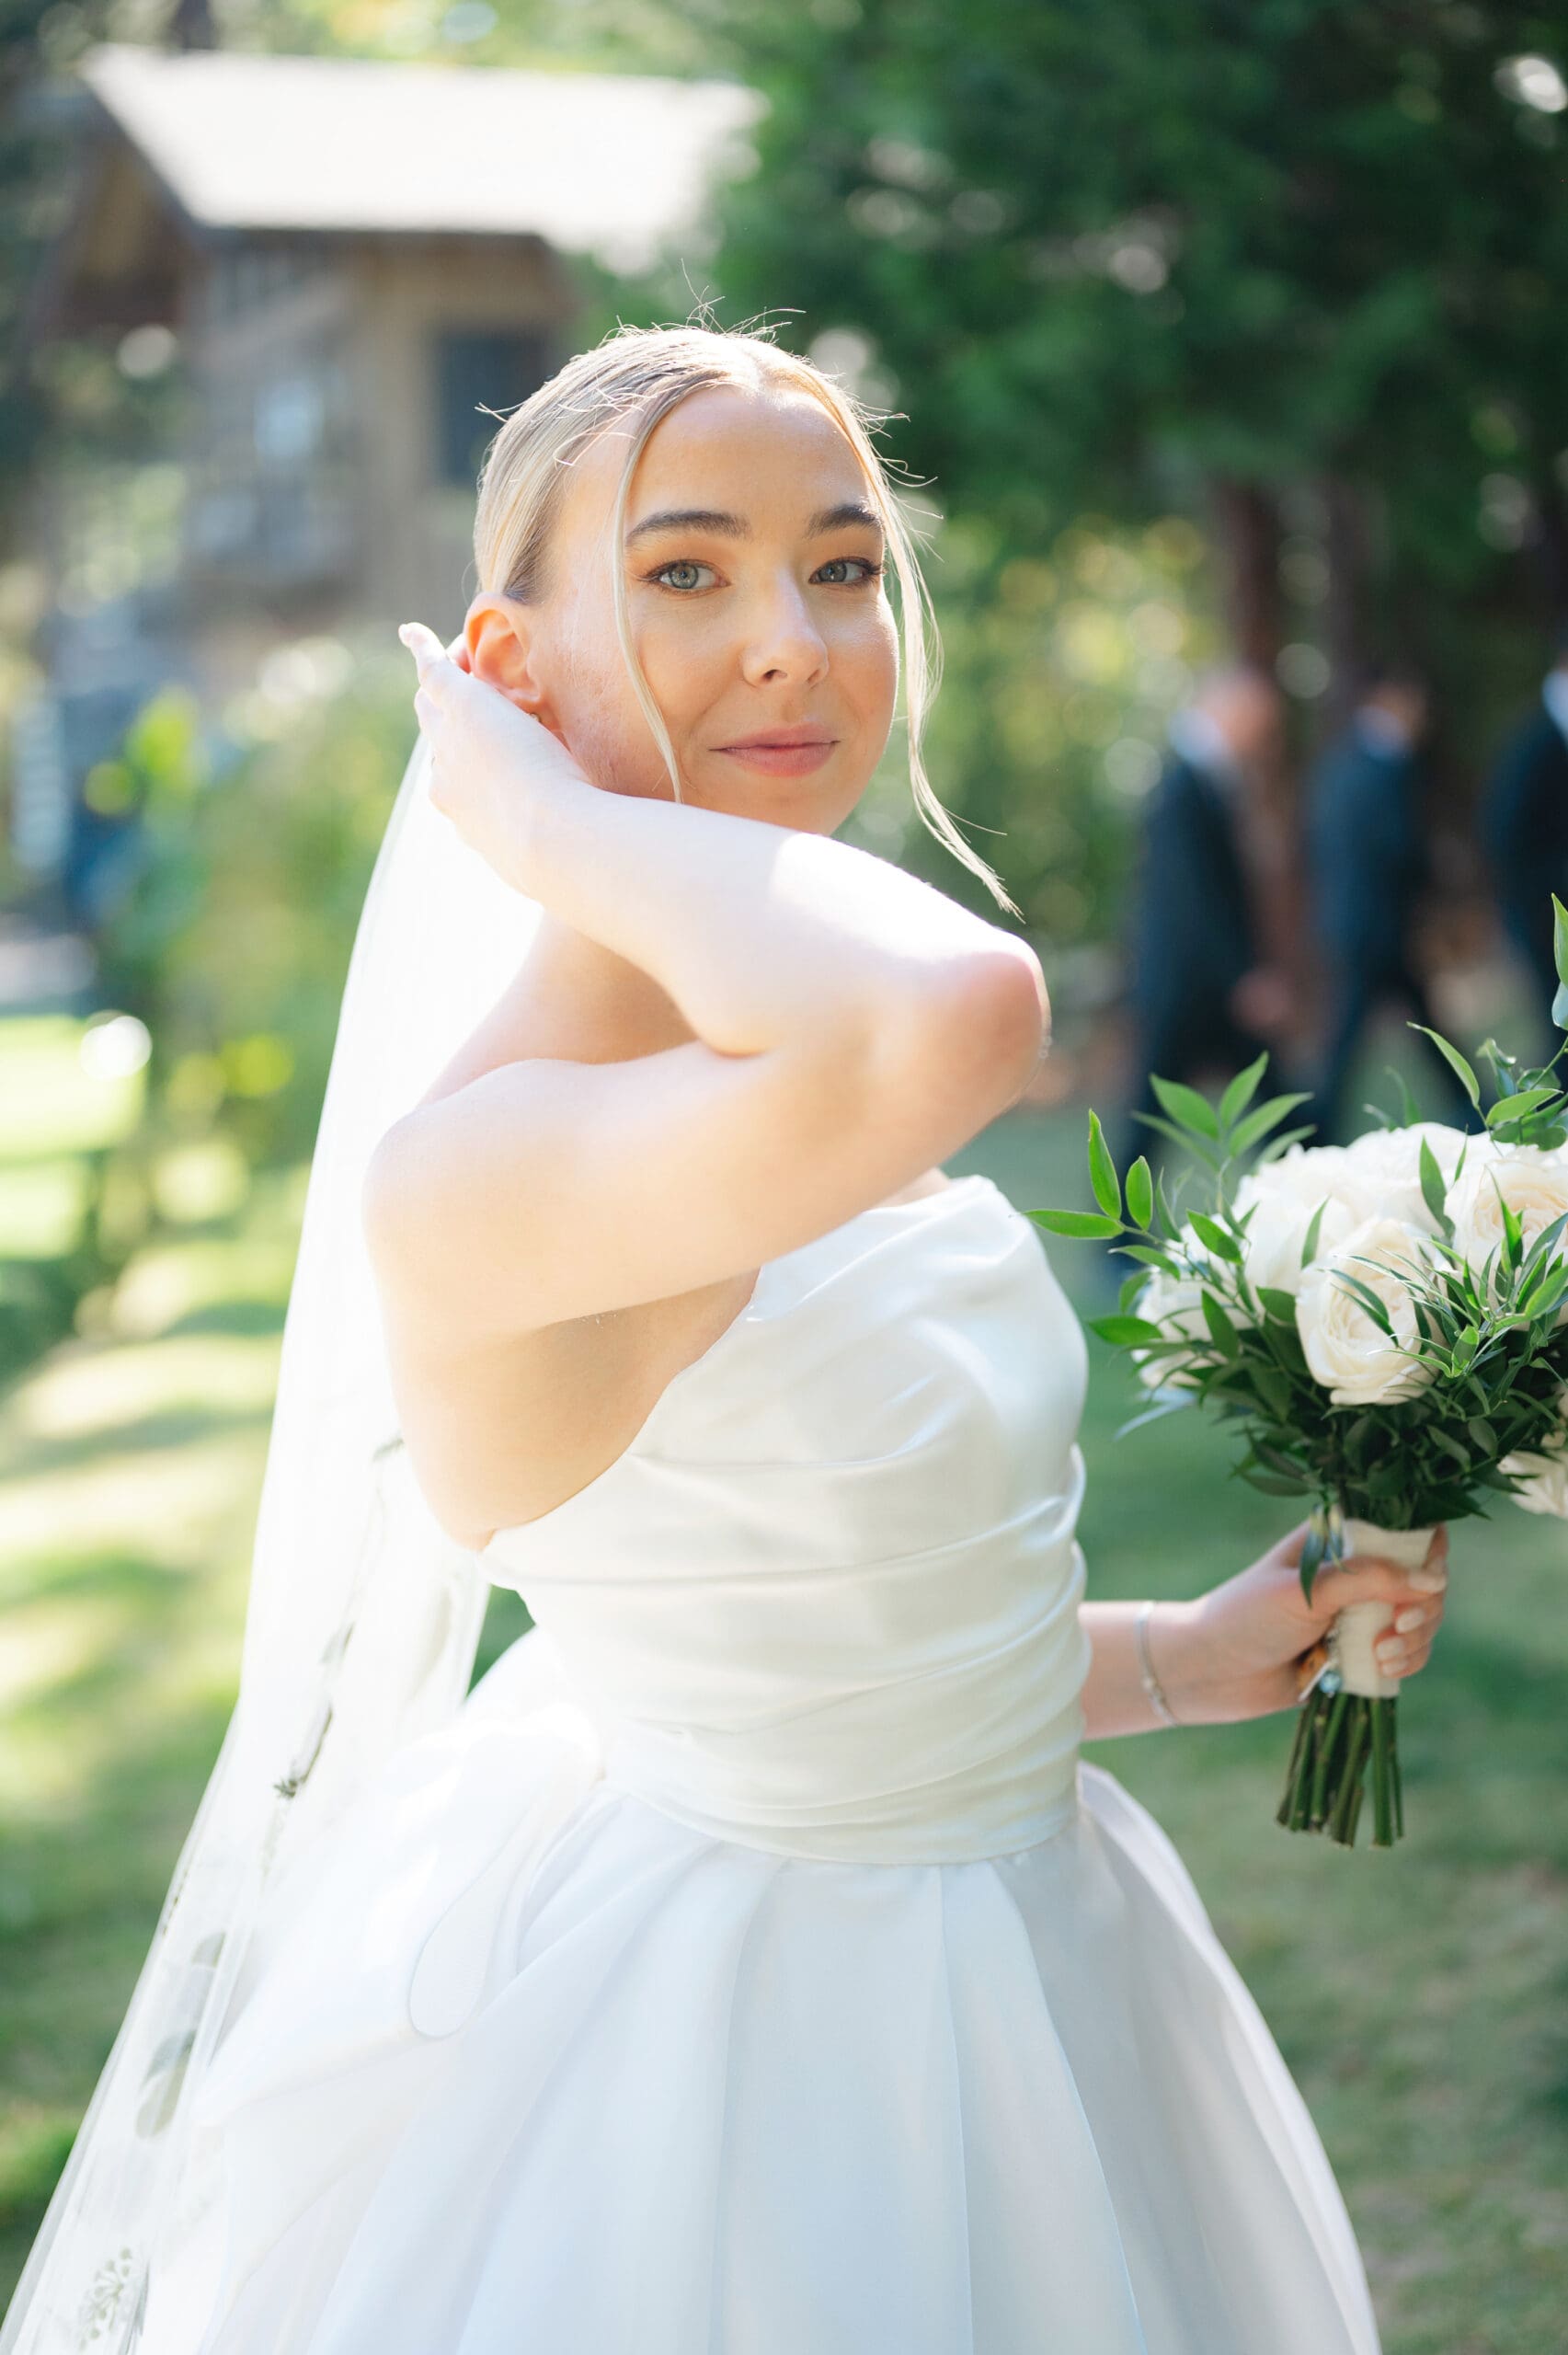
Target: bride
[{"x": 748, "y": 1963}]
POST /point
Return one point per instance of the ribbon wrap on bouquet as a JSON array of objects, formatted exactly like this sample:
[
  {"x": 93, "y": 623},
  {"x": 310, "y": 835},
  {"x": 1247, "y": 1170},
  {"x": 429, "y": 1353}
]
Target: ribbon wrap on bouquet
[{"x": 1353, "y": 1639}]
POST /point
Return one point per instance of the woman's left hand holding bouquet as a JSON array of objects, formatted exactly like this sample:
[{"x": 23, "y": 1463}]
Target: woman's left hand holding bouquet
[{"x": 1237, "y": 1652}]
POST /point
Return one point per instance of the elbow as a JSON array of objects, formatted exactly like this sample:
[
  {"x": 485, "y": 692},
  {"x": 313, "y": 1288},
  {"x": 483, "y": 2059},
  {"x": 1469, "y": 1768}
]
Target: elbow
[
  {"x": 1007, "y": 1018},
  {"x": 981, "y": 1029}
]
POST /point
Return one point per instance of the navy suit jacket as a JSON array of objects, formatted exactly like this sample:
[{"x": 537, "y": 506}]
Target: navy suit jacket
[
  {"x": 1192, "y": 934},
  {"x": 1366, "y": 856},
  {"x": 1524, "y": 827}
]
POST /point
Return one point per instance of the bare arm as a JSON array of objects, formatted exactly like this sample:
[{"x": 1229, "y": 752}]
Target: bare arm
[
  {"x": 1231, "y": 1653},
  {"x": 852, "y": 1026}
]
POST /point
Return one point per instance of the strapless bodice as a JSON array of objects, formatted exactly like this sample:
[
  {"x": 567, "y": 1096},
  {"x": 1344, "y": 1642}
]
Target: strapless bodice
[{"x": 826, "y": 1603}]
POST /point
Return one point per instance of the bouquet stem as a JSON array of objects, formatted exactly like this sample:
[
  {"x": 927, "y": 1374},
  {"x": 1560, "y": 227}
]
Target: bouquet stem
[{"x": 1346, "y": 1734}]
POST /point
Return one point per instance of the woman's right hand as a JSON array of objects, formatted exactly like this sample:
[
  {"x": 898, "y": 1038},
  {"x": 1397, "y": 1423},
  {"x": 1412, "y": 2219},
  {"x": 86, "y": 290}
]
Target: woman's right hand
[{"x": 488, "y": 759}]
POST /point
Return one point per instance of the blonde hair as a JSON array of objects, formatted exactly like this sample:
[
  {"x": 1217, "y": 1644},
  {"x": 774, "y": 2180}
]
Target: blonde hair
[{"x": 629, "y": 383}]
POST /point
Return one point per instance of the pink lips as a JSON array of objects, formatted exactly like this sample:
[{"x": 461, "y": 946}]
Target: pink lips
[{"x": 781, "y": 751}]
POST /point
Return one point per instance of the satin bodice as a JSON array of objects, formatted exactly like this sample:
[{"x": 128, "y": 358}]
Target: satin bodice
[{"x": 826, "y": 1602}]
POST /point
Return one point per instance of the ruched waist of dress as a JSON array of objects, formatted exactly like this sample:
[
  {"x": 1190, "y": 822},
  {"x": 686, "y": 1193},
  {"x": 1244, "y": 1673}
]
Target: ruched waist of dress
[{"x": 977, "y": 1759}]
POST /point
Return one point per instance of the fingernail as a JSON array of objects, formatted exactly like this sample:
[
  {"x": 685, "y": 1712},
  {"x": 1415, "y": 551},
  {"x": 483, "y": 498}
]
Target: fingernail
[
  {"x": 1413, "y": 1616},
  {"x": 1392, "y": 1655},
  {"x": 1427, "y": 1582}
]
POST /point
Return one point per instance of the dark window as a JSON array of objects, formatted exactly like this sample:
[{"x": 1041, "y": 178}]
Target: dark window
[{"x": 476, "y": 371}]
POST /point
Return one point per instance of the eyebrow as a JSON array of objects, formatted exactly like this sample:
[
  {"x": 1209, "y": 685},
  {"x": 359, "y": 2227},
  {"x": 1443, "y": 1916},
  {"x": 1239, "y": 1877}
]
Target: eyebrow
[
  {"x": 849, "y": 513},
  {"x": 843, "y": 518}
]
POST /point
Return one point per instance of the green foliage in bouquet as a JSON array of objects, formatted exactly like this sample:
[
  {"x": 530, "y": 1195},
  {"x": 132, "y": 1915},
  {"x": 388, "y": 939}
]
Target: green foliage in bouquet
[
  {"x": 1487, "y": 1337},
  {"x": 1450, "y": 1390}
]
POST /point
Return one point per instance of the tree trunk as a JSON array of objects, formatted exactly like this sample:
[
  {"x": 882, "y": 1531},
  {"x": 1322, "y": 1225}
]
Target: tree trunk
[
  {"x": 1247, "y": 526},
  {"x": 1349, "y": 539}
]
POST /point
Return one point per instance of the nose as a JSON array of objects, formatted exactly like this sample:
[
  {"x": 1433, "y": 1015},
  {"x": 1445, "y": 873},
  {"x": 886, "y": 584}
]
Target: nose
[{"x": 784, "y": 646}]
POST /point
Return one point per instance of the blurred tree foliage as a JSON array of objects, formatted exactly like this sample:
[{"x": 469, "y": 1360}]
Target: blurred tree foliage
[
  {"x": 232, "y": 942},
  {"x": 1147, "y": 252}
]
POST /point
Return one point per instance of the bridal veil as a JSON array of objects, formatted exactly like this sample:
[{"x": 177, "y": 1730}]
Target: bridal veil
[{"x": 364, "y": 1616}]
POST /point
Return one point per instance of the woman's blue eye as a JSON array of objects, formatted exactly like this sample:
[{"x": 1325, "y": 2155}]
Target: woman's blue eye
[
  {"x": 682, "y": 574},
  {"x": 836, "y": 573}
]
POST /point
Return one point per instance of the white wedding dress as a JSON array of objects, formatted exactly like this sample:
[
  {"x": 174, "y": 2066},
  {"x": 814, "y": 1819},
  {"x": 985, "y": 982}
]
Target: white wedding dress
[{"x": 752, "y": 1967}]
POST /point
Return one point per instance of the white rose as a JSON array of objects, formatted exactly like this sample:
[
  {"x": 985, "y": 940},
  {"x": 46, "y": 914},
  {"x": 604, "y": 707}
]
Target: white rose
[
  {"x": 1533, "y": 1182},
  {"x": 1545, "y": 1479},
  {"x": 1284, "y": 1198},
  {"x": 1176, "y": 1304},
  {"x": 1381, "y": 1176},
  {"x": 1356, "y": 1363}
]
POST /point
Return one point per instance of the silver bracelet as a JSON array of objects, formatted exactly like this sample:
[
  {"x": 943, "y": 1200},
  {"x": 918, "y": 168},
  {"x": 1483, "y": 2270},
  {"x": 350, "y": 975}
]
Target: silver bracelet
[{"x": 1146, "y": 1676}]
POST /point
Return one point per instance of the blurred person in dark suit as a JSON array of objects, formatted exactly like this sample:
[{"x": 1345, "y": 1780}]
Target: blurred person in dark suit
[
  {"x": 1368, "y": 864},
  {"x": 1524, "y": 825},
  {"x": 1205, "y": 1002}
]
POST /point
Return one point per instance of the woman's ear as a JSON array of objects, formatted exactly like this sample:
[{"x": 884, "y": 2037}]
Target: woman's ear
[{"x": 500, "y": 638}]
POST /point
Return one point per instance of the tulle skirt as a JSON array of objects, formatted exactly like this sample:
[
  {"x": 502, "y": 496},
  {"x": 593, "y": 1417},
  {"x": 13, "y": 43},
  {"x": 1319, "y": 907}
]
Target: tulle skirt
[{"x": 673, "y": 2094}]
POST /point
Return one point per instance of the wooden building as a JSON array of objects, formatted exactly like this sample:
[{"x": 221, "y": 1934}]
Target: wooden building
[{"x": 347, "y": 261}]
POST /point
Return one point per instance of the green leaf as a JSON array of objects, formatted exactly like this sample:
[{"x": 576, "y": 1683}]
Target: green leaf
[
  {"x": 1140, "y": 1192},
  {"x": 1513, "y": 1231},
  {"x": 1313, "y": 1553},
  {"x": 1516, "y": 1107},
  {"x": 1242, "y": 1090},
  {"x": 1222, "y": 1332},
  {"x": 1175, "y": 1403},
  {"x": 1366, "y": 1299},
  {"x": 1282, "y": 1144},
  {"x": 1310, "y": 1241},
  {"x": 1434, "y": 1188},
  {"x": 1182, "y": 1137},
  {"x": 1186, "y": 1107},
  {"x": 1456, "y": 1062},
  {"x": 1560, "y": 1006},
  {"x": 1280, "y": 1306},
  {"x": 1083, "y": 1224},
  {"x": 1542, "y": 1250},
  {"x": 1559, "y": 938},
  {"x": 1502, "y": 1066},
  {"x": 1257, "y": 1124},
  {"x": 1210, "y": 1232},
  {"x": 1152, "y": 1254},
  {"x": 1271, "y": 1484},
  {"x": 1126, "y": 1332},
  {"x": 1103, "y": 1171}
]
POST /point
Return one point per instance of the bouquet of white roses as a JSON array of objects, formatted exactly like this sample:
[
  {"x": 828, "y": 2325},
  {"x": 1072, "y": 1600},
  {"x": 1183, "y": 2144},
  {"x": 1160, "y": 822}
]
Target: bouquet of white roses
[{"x": 1385, "y": 1324}]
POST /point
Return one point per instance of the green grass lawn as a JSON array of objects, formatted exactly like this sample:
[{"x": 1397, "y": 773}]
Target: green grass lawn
[{"x": 1418, "y": 1996}]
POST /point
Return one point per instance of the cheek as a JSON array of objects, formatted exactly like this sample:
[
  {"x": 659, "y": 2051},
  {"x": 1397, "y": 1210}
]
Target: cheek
[
  {"x": 606, "y": 730},
  {"x": 865, "y": 659}
]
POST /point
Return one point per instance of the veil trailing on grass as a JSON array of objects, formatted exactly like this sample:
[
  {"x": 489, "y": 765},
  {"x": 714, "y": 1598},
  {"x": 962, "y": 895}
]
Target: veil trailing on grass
[{"x": 364, "y": 1616}]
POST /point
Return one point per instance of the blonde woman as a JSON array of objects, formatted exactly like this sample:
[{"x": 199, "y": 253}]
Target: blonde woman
[{"x": 748, "y": 1964}]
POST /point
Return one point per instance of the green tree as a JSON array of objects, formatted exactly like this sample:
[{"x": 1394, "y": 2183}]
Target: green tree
[{"x": 1224, "y": 253}]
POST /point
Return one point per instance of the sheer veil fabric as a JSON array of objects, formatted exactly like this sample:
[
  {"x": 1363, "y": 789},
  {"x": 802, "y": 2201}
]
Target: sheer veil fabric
[{"x": 364, "y": 1616}]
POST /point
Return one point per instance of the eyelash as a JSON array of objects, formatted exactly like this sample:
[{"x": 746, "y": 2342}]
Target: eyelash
[{"x": 871, "y": 569}]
